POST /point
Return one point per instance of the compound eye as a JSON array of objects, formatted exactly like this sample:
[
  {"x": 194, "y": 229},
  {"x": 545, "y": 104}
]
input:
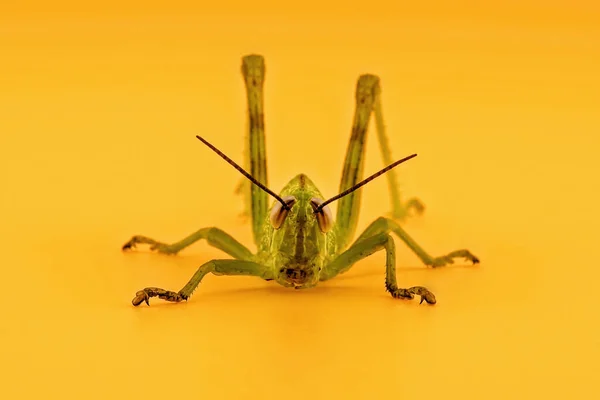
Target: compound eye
[
  {"x": 324, "y": 216},
  {"x": 278, "y": 213}
]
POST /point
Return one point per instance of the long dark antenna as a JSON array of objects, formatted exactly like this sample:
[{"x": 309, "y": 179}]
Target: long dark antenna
[
  {"x": 362, "y": 183},
  {"x": 247, "y": 175}
]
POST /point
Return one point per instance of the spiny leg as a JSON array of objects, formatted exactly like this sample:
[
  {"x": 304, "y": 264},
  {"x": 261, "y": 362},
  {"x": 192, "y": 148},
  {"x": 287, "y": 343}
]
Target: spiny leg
[
  {"x": 214, "y": 236},
  {"x": 217, "y": 267},
  {"x": 400, "y": 211},
  {"x": 386, "y": 225},
  {"x": 365, "y": 248},
  {"x": 367, "y": 101},
  {"x": 253, "y": 71}
]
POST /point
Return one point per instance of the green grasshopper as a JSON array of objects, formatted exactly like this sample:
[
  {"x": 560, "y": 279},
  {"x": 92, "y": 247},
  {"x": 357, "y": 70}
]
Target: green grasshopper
[{"x": 298, "y": 242}]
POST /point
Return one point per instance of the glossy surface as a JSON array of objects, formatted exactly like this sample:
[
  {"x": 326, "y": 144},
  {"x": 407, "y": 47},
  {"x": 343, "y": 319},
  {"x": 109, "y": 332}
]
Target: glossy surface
[{"x": 98, "y": 113}]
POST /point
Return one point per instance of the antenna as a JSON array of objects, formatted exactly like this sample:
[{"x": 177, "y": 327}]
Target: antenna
[
  {"x": 246, "y": 174},
  {"x": 362, "y": 183}
]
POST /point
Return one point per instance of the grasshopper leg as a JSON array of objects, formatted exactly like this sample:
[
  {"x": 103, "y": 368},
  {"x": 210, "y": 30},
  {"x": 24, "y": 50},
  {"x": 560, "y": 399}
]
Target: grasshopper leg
[
  {"x": 386, "y": 225},
  {"x": 413, "y": 206},
  {"x": 253, "y": 72},
  {"x": 368, "y": 102},
  {"x": 365, "y": 248},
  {"x": 216, "y": 267},
  {"x": 214, "y": 236}
]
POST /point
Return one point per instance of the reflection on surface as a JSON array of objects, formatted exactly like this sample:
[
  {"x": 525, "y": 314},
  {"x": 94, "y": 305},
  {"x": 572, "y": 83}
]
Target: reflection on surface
[{"x": 102, "y": 118}]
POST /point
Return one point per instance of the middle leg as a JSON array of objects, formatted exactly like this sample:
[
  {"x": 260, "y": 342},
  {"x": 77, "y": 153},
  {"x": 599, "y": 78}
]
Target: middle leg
[
  {"x": 386, "y": 225},
  {"x": 214, "y": 236}
]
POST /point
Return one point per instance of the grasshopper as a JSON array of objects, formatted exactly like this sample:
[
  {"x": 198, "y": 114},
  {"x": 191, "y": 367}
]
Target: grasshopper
[{"x": 298, "y": 242}]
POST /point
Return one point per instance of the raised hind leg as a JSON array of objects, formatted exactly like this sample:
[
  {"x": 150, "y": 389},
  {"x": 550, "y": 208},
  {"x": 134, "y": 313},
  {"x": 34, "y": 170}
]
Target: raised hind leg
[{"x": 367, "y": 102}]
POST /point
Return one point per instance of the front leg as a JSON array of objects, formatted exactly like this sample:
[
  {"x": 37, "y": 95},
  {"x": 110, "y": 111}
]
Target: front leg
[
  {"x": 365, "y": 248},
  {"x": 217, "y": 267},
  {"x": 386, "y": 225},
  {"x": 214, "y": 236}
]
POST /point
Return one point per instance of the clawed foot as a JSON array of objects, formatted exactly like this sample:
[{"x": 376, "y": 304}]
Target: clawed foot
[
  {"x": 449, "y": 258},
  {"x": 409, "y": 294},
  {"x": 416, "y": 205},
  {"x": 413, "y": 207},
  {"x": 154, "y": 245},
  {"x": 145, "y": 294}
]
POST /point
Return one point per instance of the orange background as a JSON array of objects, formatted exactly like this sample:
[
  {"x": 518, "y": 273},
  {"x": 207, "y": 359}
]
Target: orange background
[{"x": 98, "y": 112}]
